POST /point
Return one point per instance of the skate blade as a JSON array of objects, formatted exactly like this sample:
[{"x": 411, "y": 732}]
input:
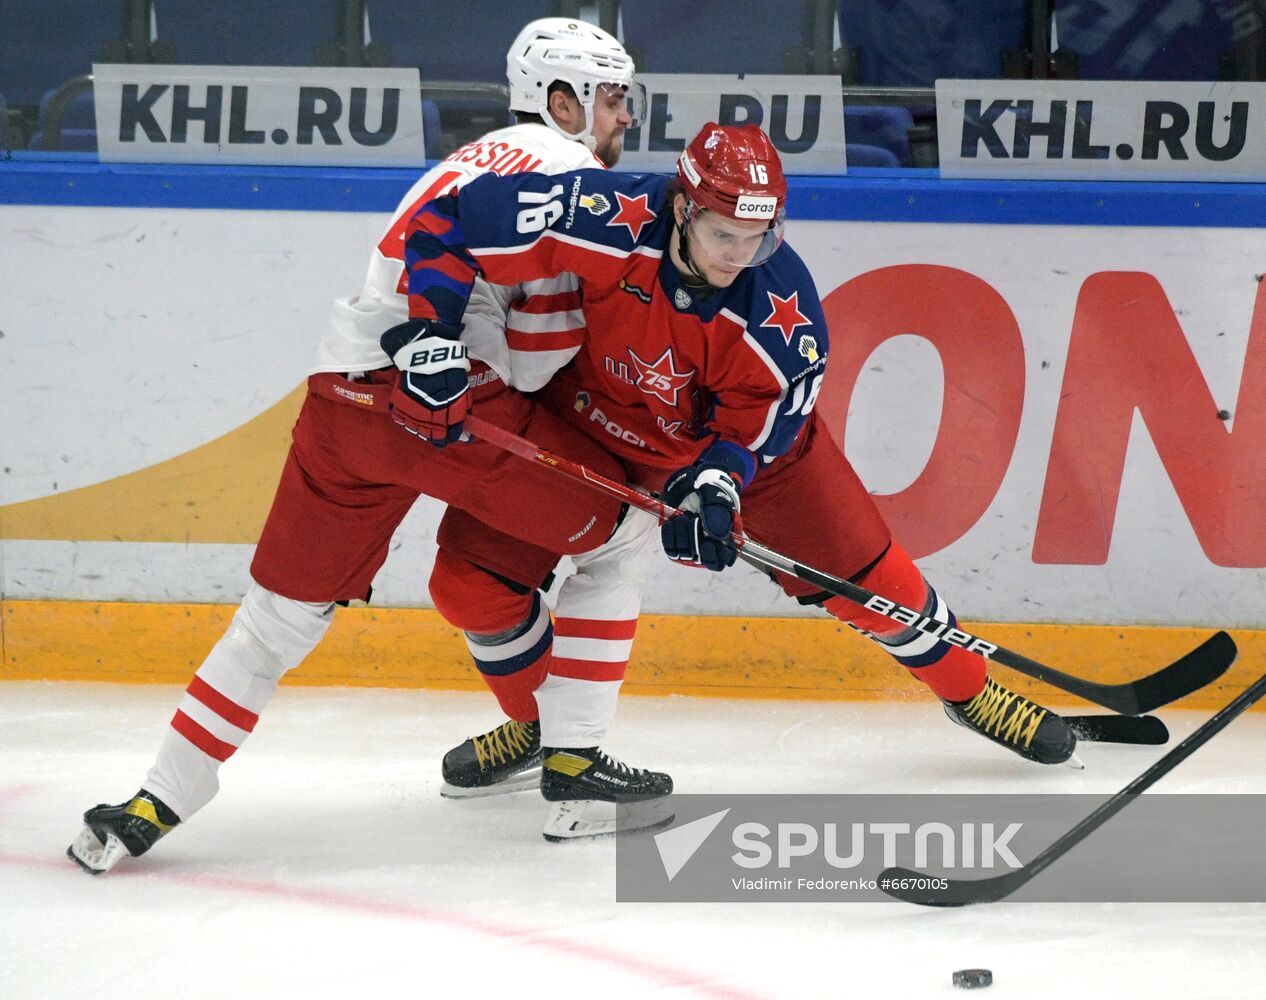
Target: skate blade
[
  {"x": 575, "y": 819},
  {"x": 94, "y": 857},
  {"x": 1075, "y": 762},
  {"x": 523, "y": 781}
]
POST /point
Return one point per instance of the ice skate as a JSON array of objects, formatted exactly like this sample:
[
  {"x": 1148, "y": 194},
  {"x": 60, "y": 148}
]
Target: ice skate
[
  {"x": 1015, "y": 722},
  {"x": 506, "y": 759},
  {"x": 113, "y": 832},
  {"x": 591, "y": 794}
]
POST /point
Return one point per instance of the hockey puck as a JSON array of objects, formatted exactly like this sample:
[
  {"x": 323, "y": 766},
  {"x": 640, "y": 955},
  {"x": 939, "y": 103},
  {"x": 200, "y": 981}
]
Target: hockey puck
[{"x": 973, "y": 979}]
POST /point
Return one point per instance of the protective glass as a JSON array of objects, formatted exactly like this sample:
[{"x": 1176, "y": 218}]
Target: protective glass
[
  {"x": 634, "y": 97},
  {"x": 730, "y": 243}
]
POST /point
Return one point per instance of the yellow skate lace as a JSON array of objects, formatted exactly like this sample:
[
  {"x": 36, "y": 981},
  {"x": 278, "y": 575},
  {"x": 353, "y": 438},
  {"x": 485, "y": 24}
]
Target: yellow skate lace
[
  {"x": 508, "y": 741},
  {"x": 1005, "y": 714}
]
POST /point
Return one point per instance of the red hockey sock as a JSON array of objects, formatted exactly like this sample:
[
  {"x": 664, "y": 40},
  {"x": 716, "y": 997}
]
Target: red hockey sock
[
  {"x": 509, "y": 634},
  {"x": 950, "y": 671},
  {"x": 515, "y": 692}
]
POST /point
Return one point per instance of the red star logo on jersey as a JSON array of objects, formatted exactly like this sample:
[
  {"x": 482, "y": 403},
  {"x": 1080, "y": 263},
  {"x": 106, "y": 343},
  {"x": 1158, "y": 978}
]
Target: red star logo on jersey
[
  {"x": 634, "y": 213},
  {"x": 661, "y": 379},
  {"x": 786, "y": 315}
]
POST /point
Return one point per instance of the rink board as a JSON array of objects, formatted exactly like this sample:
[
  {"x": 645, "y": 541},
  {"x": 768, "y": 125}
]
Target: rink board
[
  {"x": 715, "y": 656},
  {"x": 1055, "y": 390}
]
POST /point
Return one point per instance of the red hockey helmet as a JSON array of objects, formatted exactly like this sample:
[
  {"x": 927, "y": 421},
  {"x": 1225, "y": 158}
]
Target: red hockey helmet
[{"x": 734, "y": 170}]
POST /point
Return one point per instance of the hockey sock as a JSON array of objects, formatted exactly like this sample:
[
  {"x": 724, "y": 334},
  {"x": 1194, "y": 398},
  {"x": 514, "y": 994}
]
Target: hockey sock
[
  {"x": 514, "y": 662},
  {"x": 594, "y": 624},
  {"x": 269, "y": 635},
  {"x": 508, "y": 630},
  {"x": 951, "y": 672}
]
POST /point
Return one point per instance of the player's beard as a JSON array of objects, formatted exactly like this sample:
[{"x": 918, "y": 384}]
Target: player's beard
[{"x": 609, "y": 151}]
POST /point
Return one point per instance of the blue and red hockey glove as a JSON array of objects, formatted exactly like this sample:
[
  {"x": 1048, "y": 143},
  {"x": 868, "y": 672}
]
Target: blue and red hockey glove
[{"x": 430, "y": 398}]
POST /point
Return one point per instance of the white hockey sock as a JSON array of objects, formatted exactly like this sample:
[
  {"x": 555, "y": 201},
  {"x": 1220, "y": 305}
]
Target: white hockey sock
[
  {"x": 269, "y": 635},
  {"x": 594, "y": 623},
  {"x": 575, "y": 713}
]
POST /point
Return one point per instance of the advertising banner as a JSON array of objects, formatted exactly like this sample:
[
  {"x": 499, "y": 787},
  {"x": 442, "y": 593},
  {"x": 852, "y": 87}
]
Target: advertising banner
[
  {"x": 1102, "y": 130},
  {"x": 258, "y": 114},
  {"x": 803, "y": 115},
  {"x": 1060, "y": 423}
]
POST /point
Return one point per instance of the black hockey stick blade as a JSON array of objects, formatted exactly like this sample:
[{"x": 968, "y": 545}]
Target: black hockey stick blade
[
  {"x": 1190, "y": 672},
  {"x": 1144, "y": 730},
  {"x": 965, "y": 892}
]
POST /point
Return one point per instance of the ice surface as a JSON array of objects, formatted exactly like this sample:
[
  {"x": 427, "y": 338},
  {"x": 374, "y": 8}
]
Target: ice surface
[{"x": 330, "y": 866}]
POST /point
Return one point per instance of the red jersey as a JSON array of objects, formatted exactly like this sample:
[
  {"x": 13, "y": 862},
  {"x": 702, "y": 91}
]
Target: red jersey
[{"x": 666, "y": 369}]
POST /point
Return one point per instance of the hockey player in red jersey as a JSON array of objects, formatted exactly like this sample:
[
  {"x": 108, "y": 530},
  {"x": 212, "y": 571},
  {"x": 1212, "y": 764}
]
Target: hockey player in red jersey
[
  {"x": 704, "y": 351},
  {"x": 354, "y": 472}
]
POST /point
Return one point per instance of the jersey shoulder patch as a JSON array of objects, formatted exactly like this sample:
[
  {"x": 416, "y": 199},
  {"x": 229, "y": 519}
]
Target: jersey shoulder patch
[
  {"x": 785, "y": 315},
  {"x": 616, "y": 210}
]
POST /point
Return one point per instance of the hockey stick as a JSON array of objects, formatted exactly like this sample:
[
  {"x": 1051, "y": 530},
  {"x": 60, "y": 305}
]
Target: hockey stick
[
  {"x": 1146, "y": 730},
  {"x": 960, "y": 892},
  {"x": 1204, "y": 664}
]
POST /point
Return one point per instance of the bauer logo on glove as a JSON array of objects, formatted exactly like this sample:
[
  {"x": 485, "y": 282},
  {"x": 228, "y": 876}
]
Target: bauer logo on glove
[{"x": 428, "y": 357}]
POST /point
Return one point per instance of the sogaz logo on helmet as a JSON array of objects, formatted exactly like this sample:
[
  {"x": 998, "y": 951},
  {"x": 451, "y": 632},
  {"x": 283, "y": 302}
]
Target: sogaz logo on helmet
[{"x": 751, "y": 206}]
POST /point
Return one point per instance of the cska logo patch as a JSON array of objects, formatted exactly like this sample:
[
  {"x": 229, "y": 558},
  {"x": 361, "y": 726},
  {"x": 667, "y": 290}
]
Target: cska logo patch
[
  {"x": 661, "y": 379},
  {"x": 785, "y": 315},
  {"x": 634, "y": 214}
]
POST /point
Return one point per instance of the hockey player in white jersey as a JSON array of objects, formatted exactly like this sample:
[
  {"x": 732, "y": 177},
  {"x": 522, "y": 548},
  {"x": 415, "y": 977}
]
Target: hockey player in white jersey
[{"x": 573, "y": 90}]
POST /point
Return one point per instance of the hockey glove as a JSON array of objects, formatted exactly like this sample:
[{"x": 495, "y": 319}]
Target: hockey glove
[
  {"x": 430, "y": 398},
  {"x": 709, "y": 498}
]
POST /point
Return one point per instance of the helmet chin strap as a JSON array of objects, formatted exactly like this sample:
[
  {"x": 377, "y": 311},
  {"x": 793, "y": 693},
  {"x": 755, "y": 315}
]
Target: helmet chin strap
[
  {"x": 683, "y": 251},
  {"x": 585, "y": 136}
]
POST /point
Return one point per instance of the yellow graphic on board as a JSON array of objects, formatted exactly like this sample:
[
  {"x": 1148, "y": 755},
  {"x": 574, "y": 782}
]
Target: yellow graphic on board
[{"x": 218, "y": 492}]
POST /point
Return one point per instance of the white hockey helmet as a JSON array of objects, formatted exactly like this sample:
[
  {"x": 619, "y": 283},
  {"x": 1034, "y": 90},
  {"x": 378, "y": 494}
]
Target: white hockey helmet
[{"x": 574, "y": 52}]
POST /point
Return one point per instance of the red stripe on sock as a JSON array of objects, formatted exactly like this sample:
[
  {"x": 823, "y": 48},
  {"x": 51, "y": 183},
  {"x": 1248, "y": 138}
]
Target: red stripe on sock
[
  {"x": 523, "y": 340},
  {"x": 587, "y": 670},
  {"x": 200, "y": 738},
  {"x": 539, "y": 305},
  {"x": 589, "y": 628},
  {"x": 229, "y": 711}
]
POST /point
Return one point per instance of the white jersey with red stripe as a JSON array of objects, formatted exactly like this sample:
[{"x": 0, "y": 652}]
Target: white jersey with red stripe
[{"x": 524, "y": 332}]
